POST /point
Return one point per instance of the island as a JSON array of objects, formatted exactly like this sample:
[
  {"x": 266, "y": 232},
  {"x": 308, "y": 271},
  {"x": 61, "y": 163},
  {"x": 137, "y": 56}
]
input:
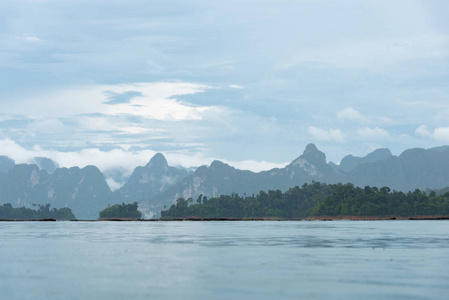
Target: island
[
  {"x": 121, "y": 212},
  {"x": 43, "y": 213}
]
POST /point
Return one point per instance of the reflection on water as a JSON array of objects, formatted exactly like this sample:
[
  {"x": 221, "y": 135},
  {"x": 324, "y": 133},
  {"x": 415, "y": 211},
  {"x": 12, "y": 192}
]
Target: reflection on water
[{"x": 222, "y": 260}]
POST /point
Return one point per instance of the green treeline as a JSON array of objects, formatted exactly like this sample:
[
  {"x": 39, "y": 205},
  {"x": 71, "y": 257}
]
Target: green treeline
[
  {"x": 294, "y": 203},
  {"x": 7, "y": 212},
  {"x": 316, "y": 199},
  {"x": 121, "y": 211},
  {"x": 348, "y": 200}
]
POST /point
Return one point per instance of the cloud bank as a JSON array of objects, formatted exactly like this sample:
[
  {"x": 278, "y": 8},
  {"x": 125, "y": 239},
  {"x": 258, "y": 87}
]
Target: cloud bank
[{"x": 230, "y": 80}]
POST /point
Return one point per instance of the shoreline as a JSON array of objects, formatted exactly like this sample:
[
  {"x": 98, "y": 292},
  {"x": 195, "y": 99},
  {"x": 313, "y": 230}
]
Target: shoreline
[
  {"x": 376, "y": 218},
  {"x": 196, "y": 219}
]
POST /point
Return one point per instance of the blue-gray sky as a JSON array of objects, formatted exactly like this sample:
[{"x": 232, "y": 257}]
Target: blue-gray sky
[{"x": 248, "y": 82}]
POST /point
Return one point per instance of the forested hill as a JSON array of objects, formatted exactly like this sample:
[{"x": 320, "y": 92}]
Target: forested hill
[
  {"x": 121, "y": 211},
  {"x": 296, "y": 202},
  {"x": 316, "y": 199},
  {"x": 348, "y": 200},
  {"x": 8, "y": 212},
  {"x": 413, "y": 169}
]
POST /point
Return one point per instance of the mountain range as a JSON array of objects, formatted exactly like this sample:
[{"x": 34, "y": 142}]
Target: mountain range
[{"x": 156, "y": 186}]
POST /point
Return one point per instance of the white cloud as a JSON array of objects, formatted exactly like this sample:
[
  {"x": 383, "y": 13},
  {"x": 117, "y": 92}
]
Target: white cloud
[
  {"x": 373, "y": 133},
  {"x": 441, "y": 134},
  {"x": 13, "y": 150},
  {"x": 124, "y": 45},
  {"x": 158, "y": 109},
  {"x": 108, "y": 124},
  {"x": 156, "y": 102},
  {"x": 377, "y": 54},
  {"x": 97, "y": 123},
  {"x": 351, "y": 114},
  {"x": 113, "y": 185},
  {"x": 104, "y": 160},
  {"x": 422, "y": 131},
  {"x": 29, "y": 38},
  {"x": 47, "y": 126},
  {"x": 255, "y": 166},
  {"x": 235, "y": 86},
  {"x": 82, "y": 116},
  {"x": 7, "y": 117},
  {"x": 423, "y": 104},
  {"x": 386, "y": 120},
  {"x": 326, "y": 135},
  {"x": 134, "y": 130}
]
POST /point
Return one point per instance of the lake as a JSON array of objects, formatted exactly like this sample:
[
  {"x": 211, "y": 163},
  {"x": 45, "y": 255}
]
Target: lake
[{"x": 225, "y": 260}]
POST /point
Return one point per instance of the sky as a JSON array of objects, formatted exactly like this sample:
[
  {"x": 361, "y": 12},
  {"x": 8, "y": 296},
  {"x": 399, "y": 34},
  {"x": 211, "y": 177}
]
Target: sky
[{"x": 250, "y": 83}]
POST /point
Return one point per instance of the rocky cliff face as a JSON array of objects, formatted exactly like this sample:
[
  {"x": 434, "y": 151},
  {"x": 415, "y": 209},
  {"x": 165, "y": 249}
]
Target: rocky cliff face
[{"x": 83, "y": 190}]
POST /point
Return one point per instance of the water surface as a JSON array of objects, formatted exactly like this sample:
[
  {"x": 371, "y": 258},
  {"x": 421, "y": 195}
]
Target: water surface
[{"x": 225, "y": 260}]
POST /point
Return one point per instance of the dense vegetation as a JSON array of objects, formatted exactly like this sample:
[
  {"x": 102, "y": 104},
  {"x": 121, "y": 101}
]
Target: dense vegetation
[
  {"x": 294, "y": 203},
  {"x": 316, "y": 199},
  {"x": 121, "y": 211},
  {"x": 371, "y": 201},
  {"x": 7, "y": 212}
]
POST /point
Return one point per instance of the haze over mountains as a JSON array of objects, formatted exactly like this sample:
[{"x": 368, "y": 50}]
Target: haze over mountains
[{"x": 157, "y": 185}]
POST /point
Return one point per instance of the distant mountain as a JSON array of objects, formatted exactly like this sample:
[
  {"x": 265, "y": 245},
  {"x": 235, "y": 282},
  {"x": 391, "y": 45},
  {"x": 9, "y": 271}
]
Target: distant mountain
[
  {"x": 6, "y": 164},
  {"x": 310, "y": 166},
  {"x": 83, "y": 190},
  {"x": 440, "y": 149},
  {"x": 150, "y": 180},
  {"x": 413, "y": 169},
  {"x": 349, "y": 162},
  {"x": 220, "y": 178},
  {"x": 45, "y": 163},
  {"x": 157, "y": 185}
]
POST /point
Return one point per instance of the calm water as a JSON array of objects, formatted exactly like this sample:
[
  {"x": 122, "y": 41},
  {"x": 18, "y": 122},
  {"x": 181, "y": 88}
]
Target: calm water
[{"x": 225, "y": 260}]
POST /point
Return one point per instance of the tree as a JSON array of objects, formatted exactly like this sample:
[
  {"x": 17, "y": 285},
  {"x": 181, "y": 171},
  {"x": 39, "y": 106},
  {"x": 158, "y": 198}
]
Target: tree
[{"x": 122, "y": 211}]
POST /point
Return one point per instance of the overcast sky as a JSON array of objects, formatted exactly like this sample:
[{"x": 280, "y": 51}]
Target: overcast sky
[{"x": 247, "y": 82}]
